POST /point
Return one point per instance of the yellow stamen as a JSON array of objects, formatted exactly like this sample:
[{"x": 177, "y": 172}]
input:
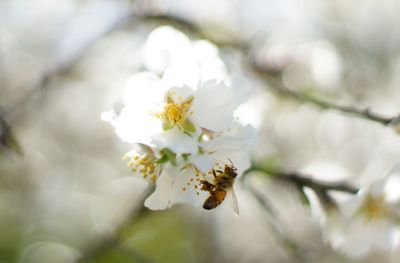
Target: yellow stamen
[
  {"x": 145, "y": 164},
  {"x": 175, "y": 113},
  {"x": 375, "y": 207}
]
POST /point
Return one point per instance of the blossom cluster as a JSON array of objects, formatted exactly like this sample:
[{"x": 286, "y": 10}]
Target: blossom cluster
[
  {"x": 179, "y": 118},
  {"x": 368, "y": 221}
]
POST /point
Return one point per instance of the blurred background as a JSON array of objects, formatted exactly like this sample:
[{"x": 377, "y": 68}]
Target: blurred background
[{"x": 67, "y": 196}]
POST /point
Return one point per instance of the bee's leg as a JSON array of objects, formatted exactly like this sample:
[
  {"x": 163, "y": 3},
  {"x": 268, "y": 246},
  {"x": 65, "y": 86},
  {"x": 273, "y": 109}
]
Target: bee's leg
[{"x": 207, "y": 186}]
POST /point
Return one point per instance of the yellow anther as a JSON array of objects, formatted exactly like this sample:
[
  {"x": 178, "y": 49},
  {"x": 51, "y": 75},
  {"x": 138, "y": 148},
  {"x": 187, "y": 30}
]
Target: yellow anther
[
  {"x": 375, "y": 207},
  {"x": 154, "y": 178},
  {"x": 174, "y": 113}
]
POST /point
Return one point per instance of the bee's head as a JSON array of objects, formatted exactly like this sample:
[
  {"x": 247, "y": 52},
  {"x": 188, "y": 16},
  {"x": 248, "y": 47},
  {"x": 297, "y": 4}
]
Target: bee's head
[{"x": 231, "y": 170}]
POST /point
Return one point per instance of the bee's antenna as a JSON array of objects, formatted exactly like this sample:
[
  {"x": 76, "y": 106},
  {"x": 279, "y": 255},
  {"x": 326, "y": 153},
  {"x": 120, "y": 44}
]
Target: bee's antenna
[{"x": 225, "y": 163}]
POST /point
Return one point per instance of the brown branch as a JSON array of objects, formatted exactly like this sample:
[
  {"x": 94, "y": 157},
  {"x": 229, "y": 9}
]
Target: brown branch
[
  {"x": 303, "y": 180},
  {"x": 275, "y": 82},
  {"x": 306, "y": 181}
]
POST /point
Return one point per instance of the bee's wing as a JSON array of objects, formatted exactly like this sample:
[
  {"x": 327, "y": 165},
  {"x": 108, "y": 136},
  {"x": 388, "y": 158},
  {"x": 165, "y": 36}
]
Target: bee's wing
[{"x": 234, "y": 204}]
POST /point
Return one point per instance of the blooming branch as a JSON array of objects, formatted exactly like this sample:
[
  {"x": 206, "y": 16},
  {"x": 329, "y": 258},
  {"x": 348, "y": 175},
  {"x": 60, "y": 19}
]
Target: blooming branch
[
  {"x": 274, "y": 80},
  {"x": 185, "y": 139}
]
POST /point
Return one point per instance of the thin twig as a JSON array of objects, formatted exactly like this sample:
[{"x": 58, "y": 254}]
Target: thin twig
[
  {"x": 7, "y": 137},
  {"x": 303, "y": 180},
  {"x": 275, "y": 82}
]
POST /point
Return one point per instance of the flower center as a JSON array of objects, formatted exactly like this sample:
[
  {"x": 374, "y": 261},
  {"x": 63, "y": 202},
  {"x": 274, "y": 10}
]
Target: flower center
[
  {"x": 175, "y": 113},
  {"x": 375, "y": 208}
]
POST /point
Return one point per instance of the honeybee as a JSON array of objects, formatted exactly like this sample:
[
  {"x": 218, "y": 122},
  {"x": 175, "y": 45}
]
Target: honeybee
[{"x": 223, "y": 183}]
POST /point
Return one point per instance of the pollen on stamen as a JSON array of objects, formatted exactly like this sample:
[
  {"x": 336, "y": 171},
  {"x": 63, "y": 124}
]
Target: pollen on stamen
[
  {"x": 154, "y": 178},
  {"x": 184, "y": 189}
]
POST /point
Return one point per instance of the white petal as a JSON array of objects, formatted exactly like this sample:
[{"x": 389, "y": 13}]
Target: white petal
[
  {"x": 204, "y": 49},
  {"x": 377, "y": 187},
  {"x": 183, "y": 72},
  {"x": 241, "y": 160},
  {"x": 211, "y": 66},
  {"x": 392, "y": 184},
  {"x": 232, "y": 146},
  {"x": 177, "y": 141},
  {"x": 203, "y": 162},
  {"x": 144, "y": 90},
  {"x": 172, "y": 187},
  {"x": 108, "y": 116},
  {"x": 136, "y": 126},
  {"x": 164, "y": 45},
  {"x": 362, "y": 237},
  {"x": 239, "y": 138},
  {"x": 159, "y": 199},
  {"x": 350, "y": 207},
  {"x": 213, "y": 106},
  {"x": 179, "y": 94}
]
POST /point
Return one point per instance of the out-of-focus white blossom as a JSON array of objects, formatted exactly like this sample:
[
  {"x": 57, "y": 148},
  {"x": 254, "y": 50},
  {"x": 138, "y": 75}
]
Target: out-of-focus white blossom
[
  {"x": 365, "y": 222},
  {"x": 182, "y": 62},
  {"x": 182, "y": 124}
]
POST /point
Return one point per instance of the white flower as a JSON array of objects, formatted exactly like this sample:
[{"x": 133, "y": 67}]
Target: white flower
[
  {"x": 182, "y": 183},
  {"x": 181, "y": 124},
  {"x": 232, "y": 145},
  {"x": 365, "y": 222},
  {"x": 182, "y": 62},
  {"x": 178, "y": 177},
  {"x": 172, "y": 117},
  {"x": 179, "y": 184}
]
